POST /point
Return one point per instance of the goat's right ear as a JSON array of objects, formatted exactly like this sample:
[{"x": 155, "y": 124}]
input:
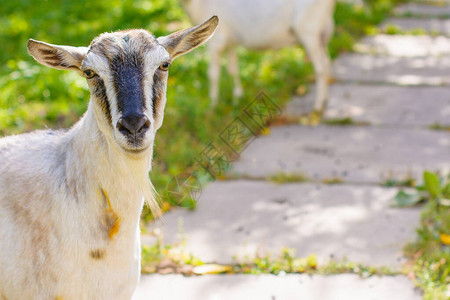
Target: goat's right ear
[
  {"x": 183, "y": 41},
  {"x": 55, "y": 56}
]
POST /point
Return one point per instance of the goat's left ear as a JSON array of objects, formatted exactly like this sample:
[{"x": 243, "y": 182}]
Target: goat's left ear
[
  {"x": 183, "y": 41},
  {"x": 55, "y": 56}
]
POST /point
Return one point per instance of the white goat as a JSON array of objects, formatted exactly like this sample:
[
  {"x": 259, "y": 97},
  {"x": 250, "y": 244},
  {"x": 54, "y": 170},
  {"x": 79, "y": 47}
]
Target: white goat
[
  {"x": 70, "y": 201},
  {"x": 267, "y": 24}
]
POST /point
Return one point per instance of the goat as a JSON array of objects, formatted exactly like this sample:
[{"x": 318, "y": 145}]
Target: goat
[
  {"x": 70, "y": 201},
  {"x": 267, "y": 24}
]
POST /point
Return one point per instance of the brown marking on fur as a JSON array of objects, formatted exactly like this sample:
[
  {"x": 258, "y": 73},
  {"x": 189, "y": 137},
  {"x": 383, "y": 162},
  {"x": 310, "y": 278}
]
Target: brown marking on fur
[
  {"x": 64, "y": 65},
  {"x": 111, "y": 218},
  {"x": 115, "y": 219},
  {"x": 52, "y": 59},
  {"x": 158, "y": 88},
  {"x": 110, "y": 45},
  {"x": 48, "y": 52},
  {"x": 99, "y": 92},
  {"x": 97, "y": 253},
  {"x": 60, "y": 64},
  {"x": 59, "y": 298},
  {"x": 39, "y": 238},
  {"x": 53, "y": 63},
  {"x": 105, "y": 47}
]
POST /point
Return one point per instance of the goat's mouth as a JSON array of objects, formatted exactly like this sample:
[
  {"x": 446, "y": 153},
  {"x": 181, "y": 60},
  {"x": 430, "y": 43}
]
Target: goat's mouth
[
  {"x": 136, "y": 150},
  {"x": 136, "y": 144},
  {"x": 133, "y": 144}
]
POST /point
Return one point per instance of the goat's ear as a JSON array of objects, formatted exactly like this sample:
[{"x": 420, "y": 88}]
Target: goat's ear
[
  {"x": 183, "y": 41},
  {"x": 55, "y": 56}
]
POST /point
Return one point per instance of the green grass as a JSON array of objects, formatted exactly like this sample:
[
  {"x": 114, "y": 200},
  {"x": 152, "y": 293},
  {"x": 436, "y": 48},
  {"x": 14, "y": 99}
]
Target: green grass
[
  {"x": 33, "y": 96},
  {"x": 407, "y": 182},
  {"x": 438, "y": 126},
  {"x": 344, "y": 122},
  {"x": 393, "y": 29},
  {"x": 430, "y": 257},
  {"x": 333, "y": 180},
  {"x": 161, "y": 258},
  {"x": 430, "y": 254},
  {"x": 281, "y": 177}
]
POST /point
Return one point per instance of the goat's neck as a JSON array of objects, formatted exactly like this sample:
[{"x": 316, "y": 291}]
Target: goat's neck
[{"x": 105, "y": 167}]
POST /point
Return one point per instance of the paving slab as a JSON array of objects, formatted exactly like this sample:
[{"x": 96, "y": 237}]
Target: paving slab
[
  {"x": 424, "y": 10},
  {"x": 361, "y": 154},
  {"x": 404, "y": 45},
  {"x": 434, "y": 26},
  {"x": 381, "y": 105},
  {"x": 271, "y": 287},
  {"x": 243, "y": 218},
  {"x": 393, "y": 70}
]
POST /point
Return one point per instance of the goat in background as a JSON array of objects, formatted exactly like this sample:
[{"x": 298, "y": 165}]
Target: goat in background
[
  {"x": 267, "y": 24},
  {"x": 70, "y": 201}
]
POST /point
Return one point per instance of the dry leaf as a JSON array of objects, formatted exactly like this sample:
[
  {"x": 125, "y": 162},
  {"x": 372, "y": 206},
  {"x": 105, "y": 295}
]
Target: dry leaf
[
  {"x": 331, "y": 80},
  {"x": 265, "y": 131},
  {"x": 445, "y": 238},
  {"x": 301, "y": 90},
  {"x": 211, "y": 269}
]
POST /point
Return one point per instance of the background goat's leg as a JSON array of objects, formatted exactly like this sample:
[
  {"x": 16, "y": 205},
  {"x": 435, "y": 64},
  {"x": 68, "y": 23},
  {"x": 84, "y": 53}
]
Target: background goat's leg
[
  {"x": 318, "y": 53},
  {"x": 233, "y": 69},
  {"x": 214, "y": 74}
]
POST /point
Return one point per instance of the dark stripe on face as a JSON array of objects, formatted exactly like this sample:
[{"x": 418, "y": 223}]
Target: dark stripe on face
[
  {"x": 128, "y": 82},
  {"x": 157, "y": 90},
  {"x": 100, "y": 94}
]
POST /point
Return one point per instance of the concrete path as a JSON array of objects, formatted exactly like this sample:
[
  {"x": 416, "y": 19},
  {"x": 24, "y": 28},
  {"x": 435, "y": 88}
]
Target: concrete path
[
  {"x": 393, "y": 90},
  {"x": 386, "y": 105},
  {"x": 367, "y": 68},
  {"x": 332, "y": 221},
  {"x": 270, "y": 287},
  {"x": 430, "y": 26},
  {"x": 424, "y": 10},
  {"x": 405, "y": 45},
  {"x": 357, "y": 154}
]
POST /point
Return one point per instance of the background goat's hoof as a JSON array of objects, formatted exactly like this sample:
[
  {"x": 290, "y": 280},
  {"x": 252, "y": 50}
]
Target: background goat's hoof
[{"x": 312, "y": 119}]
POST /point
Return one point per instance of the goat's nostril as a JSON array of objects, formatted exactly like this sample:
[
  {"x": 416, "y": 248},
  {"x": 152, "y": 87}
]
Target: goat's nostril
[
  {"x": 133, "y": 124},
  {"x": 145, "y": 126},
  {"x": 122, "y": 127}
]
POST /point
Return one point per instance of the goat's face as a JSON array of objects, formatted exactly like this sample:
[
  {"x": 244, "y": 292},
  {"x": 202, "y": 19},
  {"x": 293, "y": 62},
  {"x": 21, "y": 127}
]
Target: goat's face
[{"x": 127, "y": 74}]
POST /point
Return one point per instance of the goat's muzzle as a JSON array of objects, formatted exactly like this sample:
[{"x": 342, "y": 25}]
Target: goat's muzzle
[{"x": 133, "y": 126}]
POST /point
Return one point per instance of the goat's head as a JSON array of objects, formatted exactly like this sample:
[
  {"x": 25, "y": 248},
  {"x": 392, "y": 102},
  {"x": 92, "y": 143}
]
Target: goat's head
[{"x": 127, "y": 74}]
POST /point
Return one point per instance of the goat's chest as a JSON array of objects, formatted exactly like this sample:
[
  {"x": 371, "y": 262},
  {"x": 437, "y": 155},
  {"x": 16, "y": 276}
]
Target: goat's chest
[
  {"x": 96, "y": 271},
  {"x": 108, "y": 264},
  {"x": 101, "y": 259}
]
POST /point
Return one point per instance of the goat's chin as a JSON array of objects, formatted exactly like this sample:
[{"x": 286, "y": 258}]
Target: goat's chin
[
  {"x": 139, "y": 146},
  {"x": 136, "y": 150}
]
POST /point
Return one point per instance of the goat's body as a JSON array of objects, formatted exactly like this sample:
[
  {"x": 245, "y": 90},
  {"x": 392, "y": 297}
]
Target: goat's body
[
  {"x": 268, "y": 24},
  {"x": 253, "y": 28},
  {"x": 52, "y": 217}
]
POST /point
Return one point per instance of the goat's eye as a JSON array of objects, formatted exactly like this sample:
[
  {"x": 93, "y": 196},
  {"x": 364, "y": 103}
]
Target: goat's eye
[
  {"x": 164, "y": 66},
  {"x": 89, "y": 74}
]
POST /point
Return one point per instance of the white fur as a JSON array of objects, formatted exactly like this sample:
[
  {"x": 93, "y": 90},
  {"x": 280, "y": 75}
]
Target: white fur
[
  {"x": 267, "y": 24},
  {"x": 55, "y": 181}
]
